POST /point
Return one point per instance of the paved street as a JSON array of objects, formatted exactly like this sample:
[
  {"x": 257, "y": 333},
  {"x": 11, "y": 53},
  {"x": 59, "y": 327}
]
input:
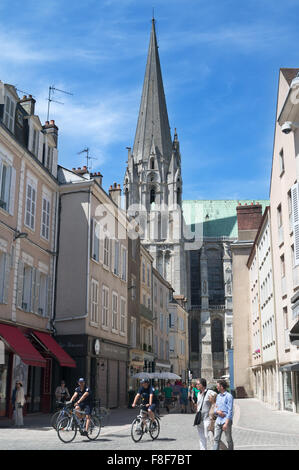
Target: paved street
[{"x": 256, "y": 427}]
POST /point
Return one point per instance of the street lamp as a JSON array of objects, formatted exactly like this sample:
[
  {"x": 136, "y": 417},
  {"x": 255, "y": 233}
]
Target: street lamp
[{"x": 19, "y": 234}]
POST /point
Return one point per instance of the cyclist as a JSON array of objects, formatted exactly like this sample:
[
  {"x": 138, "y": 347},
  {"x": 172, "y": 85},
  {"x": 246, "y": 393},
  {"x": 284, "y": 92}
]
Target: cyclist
[
  {"x": 82, "y": 399},
  {"x": 146, "y": 393}
]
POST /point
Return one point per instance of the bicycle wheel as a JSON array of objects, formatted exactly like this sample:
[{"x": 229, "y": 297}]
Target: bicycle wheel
[
  {"x": 66, "y": 429},
  {"x": 137, "y": 430},
  {"x": 54, "y": 419},
  {"x": 154, "y": 429},
  {"x": 94, "y": 428}
]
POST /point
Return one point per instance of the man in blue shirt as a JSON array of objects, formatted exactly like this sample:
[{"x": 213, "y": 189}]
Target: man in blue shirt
[
  {"x": 82, "y": 399},
  {"x": 224, "y": 412}
]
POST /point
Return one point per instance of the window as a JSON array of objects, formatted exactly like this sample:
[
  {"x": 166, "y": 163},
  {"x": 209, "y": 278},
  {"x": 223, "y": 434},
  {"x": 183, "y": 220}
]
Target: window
[
  {"x": 152, "y": 196},
  {"x": 171, "y": 343},
  {"x": 35, "y": 142},
  {"x": 106, "y": 251},
  {"x": 27, "y": 299},
  {"x": 122, "y": 315},
  {"x": 281, "y": 161},
  {"x": 45, "y": 222},
  {"x": 105, "y": 306},
  {"x": 133, "y": 332},
  {"x": 143, "y": 272},
  {"x": 116, "y": 257},
  {"x": 49, "y": 160},
  {"x": 7, "y": 186},
  {"x": 42, "y": 294},
  {"x": 9, "y": 113},
  {"x": 282, "y": 266},
  {"x": 182, "y": 346},
  {"x": 124, "y": 264},
  {"x": 5, "y": 265},
  {"x": 114, "y": 311},
  {"x": 161, "y": 322},
  {"x": 30, "y": 206},
  {"x": 94, "y": 301},
  {"x": 95, "y": 242},
  {"x": 149, "y": 303},
  {"x": 148, "y": 276}
]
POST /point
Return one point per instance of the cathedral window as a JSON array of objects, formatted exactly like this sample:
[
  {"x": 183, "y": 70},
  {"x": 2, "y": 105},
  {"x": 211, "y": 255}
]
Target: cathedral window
[
  {"x": 152, "y": 164},
  {"x": 152, "y": 196}
]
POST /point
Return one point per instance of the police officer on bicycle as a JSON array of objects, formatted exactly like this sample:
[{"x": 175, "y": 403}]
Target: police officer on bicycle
[
  {"x": 82, "y": 399},
  {"x": 146, "y": 393}
]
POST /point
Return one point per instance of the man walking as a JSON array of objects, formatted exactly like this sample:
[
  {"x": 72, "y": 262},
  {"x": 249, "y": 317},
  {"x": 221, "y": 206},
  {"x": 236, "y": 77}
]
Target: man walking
[
  {"x": 224, "y": 412},
  {"x": 203, "y": 405}
]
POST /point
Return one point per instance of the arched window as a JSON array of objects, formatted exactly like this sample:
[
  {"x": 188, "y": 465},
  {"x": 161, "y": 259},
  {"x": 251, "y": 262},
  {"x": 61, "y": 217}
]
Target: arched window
[
  {"x": 127, "y": 198},
  {"x": 152, "y": 164},
  {"x": 152, "y": 195}
]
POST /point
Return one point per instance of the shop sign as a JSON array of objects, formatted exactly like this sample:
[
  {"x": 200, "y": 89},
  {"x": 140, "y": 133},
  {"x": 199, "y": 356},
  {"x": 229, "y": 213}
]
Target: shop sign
[{"x": 112, "y": 351}]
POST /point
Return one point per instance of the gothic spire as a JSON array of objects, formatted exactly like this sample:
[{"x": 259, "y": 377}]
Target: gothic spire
[{"x": 153, "y": 124}]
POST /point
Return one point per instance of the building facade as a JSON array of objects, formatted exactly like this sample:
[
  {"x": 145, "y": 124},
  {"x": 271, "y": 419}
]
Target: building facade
[
  {"x": 284, "y": 230},
  {"x": 92, "y": 274},
  {"x": 179, "y": 337},
  {"x": 28, "y": 244}
]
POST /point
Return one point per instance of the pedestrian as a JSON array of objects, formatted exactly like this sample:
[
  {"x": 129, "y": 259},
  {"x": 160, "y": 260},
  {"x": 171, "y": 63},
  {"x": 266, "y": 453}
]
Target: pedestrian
[
  {"x": 194, "y": 392},
  {"x": 224, "y": 413},
  {"x": 18, "y": 401},
  {"x": 176, "y": 391},
  {"x": 167, "y": 396},
  {"x": 184, "y": 398},
  {"x": 156, "y": 398},
  {"x": 61, "y": 393},
  {"x": 211, "y": 428},
  {"x": 203, "y": 405}
]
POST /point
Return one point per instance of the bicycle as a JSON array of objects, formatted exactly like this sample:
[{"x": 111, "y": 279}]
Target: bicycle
[
  {"x": 60, "y": 413},
  {"x": 68, "y": 426},
  {"x": 143, "y": 424}
]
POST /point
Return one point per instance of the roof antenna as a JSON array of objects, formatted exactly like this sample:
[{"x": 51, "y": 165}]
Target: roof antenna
[
  {"x": 52, "y": 89},
  {"x": 86, "y": 150}
]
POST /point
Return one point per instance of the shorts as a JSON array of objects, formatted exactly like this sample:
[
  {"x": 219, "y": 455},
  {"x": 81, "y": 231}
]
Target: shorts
[
  {"x": 85, "y": 408},
  {"x": 152, "y": 407}
]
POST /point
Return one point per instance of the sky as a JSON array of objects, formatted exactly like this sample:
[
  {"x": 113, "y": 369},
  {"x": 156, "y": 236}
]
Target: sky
[{"x": 220, "y": 62}]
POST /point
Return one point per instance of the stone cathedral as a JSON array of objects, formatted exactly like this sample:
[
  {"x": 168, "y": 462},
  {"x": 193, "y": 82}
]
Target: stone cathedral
[{"x": 200, "y": 270}]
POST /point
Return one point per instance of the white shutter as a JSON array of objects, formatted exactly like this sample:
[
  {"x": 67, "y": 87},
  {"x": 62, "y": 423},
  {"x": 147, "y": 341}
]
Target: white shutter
[
  {"x": 12, "y": 191},
  {"x": 295, "y": 210},
  {"x": 7, "y": 187},
  {"x": 49, "y": 297},
  {"x": 20, "y": 283},
  {"x": 33, "y": 293},
  {"x": 6, "y": 277},
  {"x": 36, "y": 299}
]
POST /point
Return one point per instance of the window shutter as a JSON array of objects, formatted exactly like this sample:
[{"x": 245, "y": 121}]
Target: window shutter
[
  {"x": 91, "y": 238},
  {"x": 36, "y": 299},
  {"x": 6, "y": 277},
  {"x": 33, "y": 290},
  {"x": 20, "y": 283},
  {"x": 12, "y": 191},
  {"x": 7, "y": 187},
  {"x": 295, "y": 210},
  {"x": 49, "y": 297}
]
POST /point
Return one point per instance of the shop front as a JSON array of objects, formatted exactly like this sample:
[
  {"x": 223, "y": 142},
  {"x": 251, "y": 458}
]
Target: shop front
[{"x": 290, "y": 382}]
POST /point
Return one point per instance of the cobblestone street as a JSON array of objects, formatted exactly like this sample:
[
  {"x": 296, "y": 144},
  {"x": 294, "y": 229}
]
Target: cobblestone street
[{"x": 256, "y": 427}]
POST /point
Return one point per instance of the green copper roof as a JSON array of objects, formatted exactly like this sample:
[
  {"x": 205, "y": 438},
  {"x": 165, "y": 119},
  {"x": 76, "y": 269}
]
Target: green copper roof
[{"x": 219, "y": 217}]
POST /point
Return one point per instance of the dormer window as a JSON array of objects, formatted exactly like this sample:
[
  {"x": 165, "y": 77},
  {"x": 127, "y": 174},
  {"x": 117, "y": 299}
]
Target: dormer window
[
  {"x": 35, "y": 142},
  {"x": 9, "y": 113}
]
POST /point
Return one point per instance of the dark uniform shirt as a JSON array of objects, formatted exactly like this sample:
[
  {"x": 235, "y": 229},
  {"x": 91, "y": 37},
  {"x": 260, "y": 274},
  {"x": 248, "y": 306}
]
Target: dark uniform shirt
[{"x": 87, "y": 400}]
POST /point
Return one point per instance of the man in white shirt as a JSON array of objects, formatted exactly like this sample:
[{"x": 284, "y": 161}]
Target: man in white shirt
[{"x": 203, "y": 404}]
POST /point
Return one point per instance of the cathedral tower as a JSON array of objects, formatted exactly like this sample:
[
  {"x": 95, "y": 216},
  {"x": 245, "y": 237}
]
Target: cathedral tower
[{"x": 153, "y": 180}]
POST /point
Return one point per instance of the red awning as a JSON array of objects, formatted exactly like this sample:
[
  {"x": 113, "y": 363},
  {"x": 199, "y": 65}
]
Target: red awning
[
  {"x": 63, "y": 358},
  {"x": 21, "y": 346}
]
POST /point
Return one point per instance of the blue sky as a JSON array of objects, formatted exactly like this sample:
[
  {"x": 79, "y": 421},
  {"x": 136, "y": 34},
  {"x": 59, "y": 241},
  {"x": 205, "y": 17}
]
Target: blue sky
[{"x": 220, "y": 62}]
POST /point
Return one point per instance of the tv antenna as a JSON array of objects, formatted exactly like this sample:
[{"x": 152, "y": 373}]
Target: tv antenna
[
  {"x": 88, "y": 158},
  {"x": 52, "y": 89}
]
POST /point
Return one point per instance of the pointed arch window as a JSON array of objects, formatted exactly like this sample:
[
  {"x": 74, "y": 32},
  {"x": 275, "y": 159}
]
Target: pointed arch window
[
  {"x": 152, "y": 164},
  {"x": 152, "y": 195}
]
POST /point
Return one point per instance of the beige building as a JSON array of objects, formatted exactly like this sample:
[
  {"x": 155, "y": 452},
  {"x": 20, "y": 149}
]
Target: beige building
[
  {"x": 28, "y": 227},
  {"x": 146, "y": 308},
  {"x": 91, "y": 301},
  {"x": 178, "y": 337},
  {"x": 285, "y": 233},
  {"x": 249, "y": 218},
  {"x": 162, "y": 292},
  {"x": 263, "y": 319}
]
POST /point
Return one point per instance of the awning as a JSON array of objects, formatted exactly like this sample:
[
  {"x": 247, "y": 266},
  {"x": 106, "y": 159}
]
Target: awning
[
  {"x": 21, "y": 346},
  {"x": 294, "y": 334},
  {"x": 294, "y": 367},
  {"x": 49, "y": 343}
]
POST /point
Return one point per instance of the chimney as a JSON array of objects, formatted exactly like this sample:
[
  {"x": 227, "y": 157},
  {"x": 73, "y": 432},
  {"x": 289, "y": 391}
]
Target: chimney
[
  {"x": 249, "y": 218},
  {"x": 115, "y": 194},
  {"x": 51, "y": 128},
  {"x": 28, "y": 103},
  {"x": 98, "y": 177},
  {"x": 81, "y": 171}
]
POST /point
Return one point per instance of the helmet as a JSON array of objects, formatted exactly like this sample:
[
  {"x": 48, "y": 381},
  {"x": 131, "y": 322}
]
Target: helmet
[
  {"x": 81, "y": 380},
  {"x": 144, "y": 381}
]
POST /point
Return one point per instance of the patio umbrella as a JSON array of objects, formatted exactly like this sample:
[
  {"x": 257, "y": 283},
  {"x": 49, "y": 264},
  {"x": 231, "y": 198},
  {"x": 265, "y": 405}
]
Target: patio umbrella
[
  {"x": 142, "y": 375},
  {"x": 169, "y": 376}
]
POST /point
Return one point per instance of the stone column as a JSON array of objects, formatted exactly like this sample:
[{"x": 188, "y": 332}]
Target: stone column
[
  {"x": 205, "y": 320},
  {"x": 228, "y": 319}
]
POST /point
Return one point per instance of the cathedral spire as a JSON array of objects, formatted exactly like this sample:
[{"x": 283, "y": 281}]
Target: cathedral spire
[{"x": 153, "y": 121}]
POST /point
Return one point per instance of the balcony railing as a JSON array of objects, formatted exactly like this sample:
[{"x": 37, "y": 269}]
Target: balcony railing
[{"x": 146, "y": 313}]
